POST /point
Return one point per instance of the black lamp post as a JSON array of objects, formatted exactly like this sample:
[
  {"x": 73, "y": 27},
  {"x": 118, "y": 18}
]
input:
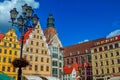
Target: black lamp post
[{"x": 23, "y": 22}]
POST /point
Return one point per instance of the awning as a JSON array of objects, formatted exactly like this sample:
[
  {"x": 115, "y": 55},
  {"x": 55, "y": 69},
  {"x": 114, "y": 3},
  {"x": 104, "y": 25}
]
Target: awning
[
  {"x": 5, "y": 77},
  {"x": 114, "y": 78},
  {"x": 33, "y": 78},
  {"x": 52, "y": 78}
]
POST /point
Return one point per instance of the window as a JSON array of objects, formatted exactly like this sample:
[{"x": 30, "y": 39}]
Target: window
[
  {"x": 31, "y": 50},
  {"x": 10, "y": 52},
  {"x": 54, "y": 71},
  {"x": 60, "y": 64},
  {"x": 47, "y": 68},
  {"x": 67, "y": 61},
  {"x": 45, "y": 52},
  {"x": 89, "y": 58},
  {"x": 36, "y": 50},
  {"x": 42, "y": 51},
  {"x": 102, "y": 71},
  {"x": 36, "y": 58},
  {"x": 105, "y": 48},
  {"x": 40, "y": 37},
  {"x": 34, "y": 36},
  {"x": 54, "y": 55},
  {"x": 0, "y": 50},
  {"x": 100, "y": 56},
  {"x": 41, "y": 68},
  {"x": 110, "y": 46},
  {"x": 14, "y": 45},
  {"x": 113, "y": 69},
  {"x": 101, "y": 63},
  {"x": 27, "y": 49},
  {"x": 117, "y": 53},
  {"x": 107, "y": 70},
  {"x": 106, "y": 55},
  {"x": 5, "y": 51},
  {"x": 41, "y": 59},
  {"x": 95, "y": 50},
  {"x": 96, "y": 64},
  {"x": 37, "y": 43},
  {"x": 71, "y": 60},
  {"x": 100, "y": 49},
  {"x": 42, "y": 44},
  {"x": 95, "y": 57},
  {"x": 10, "y": 39},
  {"x": 9, "y": 60},
  {"x": 111, "y": 54},
  {"x": 30, "y": 58},
  {"x": 116, "y": 45},
  {"x": 4, "y": 59},
  {"x": 11, "y": 34},
  {"x": 47, "y": 60},
  {"x": 10, "y": 45},
  {"x": 118, "y": 61},
  {"x": 118, "y": 69},
  {"x": 30, "y": 67},
  {"x": 37, "y": 31},
  {"x": 37, "y": 37},
  {"x": 3, "y": 68},
  {"x": 55, "y": 49},
  {"x": 0, "y": 58},
  {"x": 112, "y": 61},
  {"x": 36, "y": 68},
  {"x": 76, "y": 58},
  {"x": 107, "y": 63},
  {"x": 15, "y": 53},
  {"x": 8, "y": 69},
  {"x": 31, "y": 42},
  {"x": 54, "y": 63},
  {"x": 5, "y": 44},
  {"x": 96, "y": 71}
]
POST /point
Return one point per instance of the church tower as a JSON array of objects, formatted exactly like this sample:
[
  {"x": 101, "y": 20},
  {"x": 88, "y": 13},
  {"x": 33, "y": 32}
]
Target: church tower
[
  {"x": 55, "y": 47},
  {"x": 50, "y": 30}
]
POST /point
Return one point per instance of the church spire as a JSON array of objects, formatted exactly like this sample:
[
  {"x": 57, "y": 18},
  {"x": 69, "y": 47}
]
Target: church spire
[{"x": 50, "y": 21}]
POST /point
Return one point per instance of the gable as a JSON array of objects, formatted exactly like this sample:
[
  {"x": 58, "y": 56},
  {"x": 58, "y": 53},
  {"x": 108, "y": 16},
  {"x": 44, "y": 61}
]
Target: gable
[{"x": 55, "y": 41}]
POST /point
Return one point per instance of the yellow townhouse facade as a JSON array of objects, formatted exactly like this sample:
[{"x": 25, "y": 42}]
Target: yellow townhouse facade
[{"x": 9, "y": 50}]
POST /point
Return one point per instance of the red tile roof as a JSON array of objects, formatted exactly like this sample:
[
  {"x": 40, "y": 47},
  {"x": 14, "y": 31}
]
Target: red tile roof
[
  {"x": 67, "y": 70},
  {"x": 26, "y": 35},
  {"x": 2, "y": 35},
  {"x": 75, "y": 65},
  {"x": 82, "y": 47}
]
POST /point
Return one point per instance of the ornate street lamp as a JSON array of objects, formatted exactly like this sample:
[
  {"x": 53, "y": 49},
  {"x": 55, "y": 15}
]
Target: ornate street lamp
[{"x": 23, "y": 22}]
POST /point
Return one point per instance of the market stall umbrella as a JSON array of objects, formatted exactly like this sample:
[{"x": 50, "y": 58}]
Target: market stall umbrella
[{"x": 5, "y": 77}]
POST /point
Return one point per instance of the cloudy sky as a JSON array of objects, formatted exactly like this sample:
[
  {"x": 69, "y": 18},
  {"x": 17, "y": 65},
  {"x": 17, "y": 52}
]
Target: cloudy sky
[
  {"x": 7, "y": 5},
  {"x": 75, "y": 20}
]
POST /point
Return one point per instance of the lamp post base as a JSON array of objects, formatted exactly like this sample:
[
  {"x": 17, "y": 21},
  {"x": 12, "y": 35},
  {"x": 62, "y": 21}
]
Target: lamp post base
[{"x": 19, "y": 73}]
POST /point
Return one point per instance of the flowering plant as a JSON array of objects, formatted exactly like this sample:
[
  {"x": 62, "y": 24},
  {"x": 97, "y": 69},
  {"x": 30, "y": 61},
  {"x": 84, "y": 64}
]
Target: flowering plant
[{"x": 20, "y": 62}]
